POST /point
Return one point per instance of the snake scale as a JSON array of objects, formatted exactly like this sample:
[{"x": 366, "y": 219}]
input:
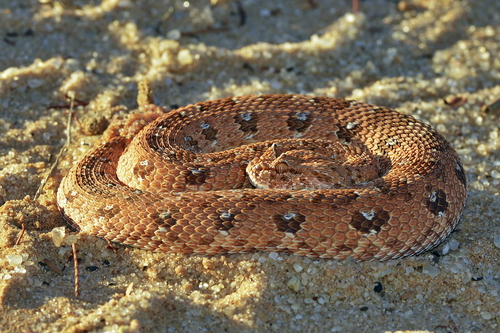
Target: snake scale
[{"x": 313, "y": 176}]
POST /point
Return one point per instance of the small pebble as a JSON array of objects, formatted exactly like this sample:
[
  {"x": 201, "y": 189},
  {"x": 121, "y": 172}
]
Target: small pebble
[
  {"x": 294, "y": 284},
  {"x": 174, "y": 34},
  {"x": 273, "y": 255},
  {"x": 431, "y": 271},
  {"x": 58, "y": 235},
  {"x": 14, "y": 259},
  {"x": 486, "y": 315},
  {"x": 184, "y": 57},
  {"x": 496, "y": 241},
  {"x": 452, "y": 245}
]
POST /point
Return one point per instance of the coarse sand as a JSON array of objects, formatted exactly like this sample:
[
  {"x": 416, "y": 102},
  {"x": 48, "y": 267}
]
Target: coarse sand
[{"x": 434, "y": 59}]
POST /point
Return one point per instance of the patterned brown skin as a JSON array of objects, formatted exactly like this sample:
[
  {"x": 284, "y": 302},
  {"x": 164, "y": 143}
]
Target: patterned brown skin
[{"x": 181, "y": 185}]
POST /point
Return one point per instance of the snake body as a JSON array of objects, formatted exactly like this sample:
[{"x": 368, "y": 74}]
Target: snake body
[{"x": 313, "y": 176}]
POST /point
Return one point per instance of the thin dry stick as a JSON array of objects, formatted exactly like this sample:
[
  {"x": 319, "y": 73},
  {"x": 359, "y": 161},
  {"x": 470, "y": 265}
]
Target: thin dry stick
[
  {"x": 56, "y": 162},
  {"x": 63, "y": 149},
  {"x": 110, "y": 246},
  {"x": 355, "y": 6},
  {"x": 18, "y": 240},
  {"x": 75, "y": 264}
]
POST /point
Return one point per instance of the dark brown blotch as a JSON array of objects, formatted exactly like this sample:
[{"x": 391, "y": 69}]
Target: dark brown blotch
[
  {"x": 225, "y": 221},
  {"x": 108, "y": 212},
  {"x": 345, "y": 134},
  {"x": 299, "y": 121},
  {"x": 370, "y": 222},
  {"x": 141, "y": 171},
  {"x": 192, "y": 145},
  {"x": 437, "y": 202},
  {"x": 163, "y": 218},
  {"x": 288, "y": 222},
  {"x": 247, "y": 122},
  {"x": 210, "y": 133},
  {"x": 195, "y": 175}
]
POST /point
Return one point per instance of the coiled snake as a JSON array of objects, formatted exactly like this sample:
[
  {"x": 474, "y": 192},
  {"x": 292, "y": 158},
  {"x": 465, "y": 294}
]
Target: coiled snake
[{"x": 312, "y": 176}]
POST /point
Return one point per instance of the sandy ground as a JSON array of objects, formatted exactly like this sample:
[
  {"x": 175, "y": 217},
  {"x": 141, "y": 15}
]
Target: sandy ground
[{"x": 411, "y": 55}]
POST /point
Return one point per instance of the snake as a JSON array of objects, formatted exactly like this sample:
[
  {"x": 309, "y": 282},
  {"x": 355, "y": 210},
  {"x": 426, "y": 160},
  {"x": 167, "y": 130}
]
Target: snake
[{"x": 311, "y": 176}]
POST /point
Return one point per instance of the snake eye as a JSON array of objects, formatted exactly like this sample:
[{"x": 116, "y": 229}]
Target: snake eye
[{"x": 281, "y": 167}]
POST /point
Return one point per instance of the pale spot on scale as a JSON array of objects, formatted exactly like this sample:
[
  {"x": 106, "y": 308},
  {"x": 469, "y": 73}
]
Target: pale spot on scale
[
  {"x": 297, "y": 135},
  {"x": 225, "y": 215},
  {"x": 144, "y": 163},
  {"x": 223, "y": 232},
  {"x": 289, "y": 216},
  {"x": 205, "y": 126},
  {"x": 247, "y": 116},
  {"x": 303, "y": 115},
  {"x": 249, "y": 136},
  {"x": 369, "y": 216},
  {"x": 162, "y": 229},
  {"x": 433, "y": 197},
  {"x": 165, "y": 215},
  {"x": 73, "y": 193},
  {"x": 351, "y": 126},
  {"x": 108, "y": 207},
  {"x": 214, "y": 143},
  {"x": 391, "y": 142}
]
